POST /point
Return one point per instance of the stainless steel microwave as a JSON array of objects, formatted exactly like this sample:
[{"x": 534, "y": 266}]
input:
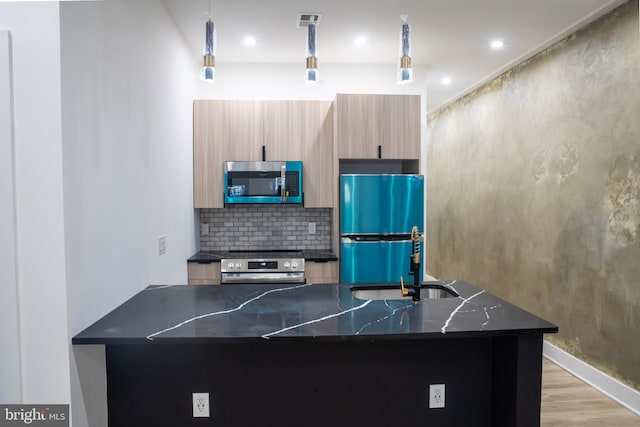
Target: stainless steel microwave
[{"x": 263, "y": 182}]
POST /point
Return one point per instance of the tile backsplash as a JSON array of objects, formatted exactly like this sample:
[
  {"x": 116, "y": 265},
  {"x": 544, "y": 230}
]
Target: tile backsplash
[{"x": 256, "y": 227}]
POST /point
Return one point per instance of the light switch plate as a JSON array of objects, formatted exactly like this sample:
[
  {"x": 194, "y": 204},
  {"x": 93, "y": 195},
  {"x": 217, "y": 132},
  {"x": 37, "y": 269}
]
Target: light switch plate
[
  {"x": 312, "y": 228},
  {"x": 162, "y": 245}
]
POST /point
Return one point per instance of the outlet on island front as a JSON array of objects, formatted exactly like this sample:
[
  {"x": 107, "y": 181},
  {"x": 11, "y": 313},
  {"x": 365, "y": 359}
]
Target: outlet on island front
[
  {"x": 200, "y": 405},
  {"x": 436, "y": 396}
]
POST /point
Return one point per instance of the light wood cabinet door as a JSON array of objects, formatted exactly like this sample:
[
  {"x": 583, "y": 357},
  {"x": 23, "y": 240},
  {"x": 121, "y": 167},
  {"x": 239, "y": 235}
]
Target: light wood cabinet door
[
  {"x": 321, "y": 272},
  {"x": 356, "y": 128},
  {"x": 222, "y": 130},
  {"x": 282, "y": 129},
  {"x": 303, "y": 130},
  {"x": 400, "y": 126},
  {"x": 204, "y": 274},
  {"x": 318, "y": 154},
  {"x": 365, "y": 122}
]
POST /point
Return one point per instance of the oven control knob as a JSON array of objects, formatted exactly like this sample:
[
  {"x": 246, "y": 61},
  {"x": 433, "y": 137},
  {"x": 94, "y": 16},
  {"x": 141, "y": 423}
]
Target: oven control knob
[
  {"x": 237, "y": 265},
  {"x": 287, "y": 264},
  {"x": 294, "y": 264}
]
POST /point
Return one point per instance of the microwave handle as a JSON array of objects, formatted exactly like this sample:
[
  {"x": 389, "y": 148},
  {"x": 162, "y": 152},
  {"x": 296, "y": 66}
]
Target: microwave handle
[{"x": 283, "y": 182}]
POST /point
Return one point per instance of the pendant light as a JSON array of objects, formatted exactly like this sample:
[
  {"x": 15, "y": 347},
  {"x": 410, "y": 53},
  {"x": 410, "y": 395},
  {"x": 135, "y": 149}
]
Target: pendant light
[
  {"x": 405, "y": 73},
  {"x": 312, "y": 59},
  {"x": 209, "y": 63}
]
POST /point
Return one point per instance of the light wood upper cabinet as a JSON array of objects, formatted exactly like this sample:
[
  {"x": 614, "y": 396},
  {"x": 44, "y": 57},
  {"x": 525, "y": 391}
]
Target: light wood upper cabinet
[
  {"x": 365, "y": 122},
  {"x": 282, "y": 129},
  {"x": 237, "y": 130},
  {"x": 318, "y": 154},
  {"x": 303, "y": 130},
  {"x": 222, "y": 130}
]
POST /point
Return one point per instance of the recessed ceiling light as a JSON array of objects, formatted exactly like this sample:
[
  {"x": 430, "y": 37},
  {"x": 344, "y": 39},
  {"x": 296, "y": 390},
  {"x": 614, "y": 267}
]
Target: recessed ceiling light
[
  {"x": 361, "y": 41},
  {"x": 446, "y": 81},
  {"x": 497, "y": 44},
  {"x": 249, "y": 41}
]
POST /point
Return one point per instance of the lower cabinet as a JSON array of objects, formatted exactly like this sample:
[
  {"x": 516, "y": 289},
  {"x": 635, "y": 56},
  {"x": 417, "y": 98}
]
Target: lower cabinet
[
  {"x": 321, "y": 272},
  {"x": 204, "y": 274}
]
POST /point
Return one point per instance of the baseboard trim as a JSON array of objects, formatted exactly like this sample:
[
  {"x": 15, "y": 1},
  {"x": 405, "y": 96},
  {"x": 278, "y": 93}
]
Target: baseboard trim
[{"x": 621, "y": 393}]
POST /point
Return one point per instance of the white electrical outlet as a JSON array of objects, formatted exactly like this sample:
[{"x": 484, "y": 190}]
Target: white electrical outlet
[
  {"x": 200, "y": 405},
  {"x": 312, "y": 228},
  {"x": 204, "y": 229},
  {"x": 436, "y": 396}
]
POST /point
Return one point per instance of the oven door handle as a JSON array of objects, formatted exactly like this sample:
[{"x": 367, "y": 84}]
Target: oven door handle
[{"x": 298, "y": 277}]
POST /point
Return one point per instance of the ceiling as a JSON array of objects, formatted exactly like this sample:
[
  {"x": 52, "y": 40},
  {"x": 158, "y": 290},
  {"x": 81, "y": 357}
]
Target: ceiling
[{"x": 450, "y": 37}]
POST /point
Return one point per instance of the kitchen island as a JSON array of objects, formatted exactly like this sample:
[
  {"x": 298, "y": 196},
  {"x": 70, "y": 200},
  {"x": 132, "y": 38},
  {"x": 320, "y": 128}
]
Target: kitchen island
[{"x": 315, "y": 355}]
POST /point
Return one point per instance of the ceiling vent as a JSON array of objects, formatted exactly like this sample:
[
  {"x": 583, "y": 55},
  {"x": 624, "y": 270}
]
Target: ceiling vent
[{"x": 306, "y": 18}]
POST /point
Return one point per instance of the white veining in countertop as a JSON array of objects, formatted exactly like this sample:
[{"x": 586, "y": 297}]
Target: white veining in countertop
[
  {"x": 309, "y": 322},
  {"x": 393, "y": 312},
  {"x": 215, "y": 313},
  {"x": 464, "y": 301}
]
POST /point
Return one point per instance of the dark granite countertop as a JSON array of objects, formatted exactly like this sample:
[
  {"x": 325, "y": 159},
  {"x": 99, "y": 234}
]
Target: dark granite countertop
[
  {"x": 208, "y": 257},
  {"x": 240, "y": 313}
]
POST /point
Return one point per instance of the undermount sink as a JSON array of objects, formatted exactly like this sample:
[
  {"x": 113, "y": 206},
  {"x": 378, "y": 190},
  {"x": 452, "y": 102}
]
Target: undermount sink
[{"x": 394, "y": 292}]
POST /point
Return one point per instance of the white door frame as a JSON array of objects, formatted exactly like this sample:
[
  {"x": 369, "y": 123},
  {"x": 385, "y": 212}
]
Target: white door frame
[{"x": 10, "y": 366}]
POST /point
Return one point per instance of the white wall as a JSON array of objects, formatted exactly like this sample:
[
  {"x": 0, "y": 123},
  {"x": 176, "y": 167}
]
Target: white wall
[
  {"x": 10, "y": 387},
  {"x": 128, "y": 84},
  {"x": 39, "y": 233},
  {"x": 286, "y": 81},
  {"x": 127, "y": 130}
]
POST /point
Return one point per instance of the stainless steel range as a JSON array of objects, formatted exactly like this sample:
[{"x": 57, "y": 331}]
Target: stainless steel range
[{"x": 263, "y": 267}]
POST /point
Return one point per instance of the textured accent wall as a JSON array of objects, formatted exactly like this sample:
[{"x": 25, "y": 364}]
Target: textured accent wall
[
  {"x": 533, "y": 186},
  {"x": 253, "y": 227}
]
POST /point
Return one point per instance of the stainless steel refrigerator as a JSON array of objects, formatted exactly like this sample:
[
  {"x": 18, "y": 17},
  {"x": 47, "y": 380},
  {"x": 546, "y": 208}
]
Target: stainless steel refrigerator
[{"x": 377, "y": 213}]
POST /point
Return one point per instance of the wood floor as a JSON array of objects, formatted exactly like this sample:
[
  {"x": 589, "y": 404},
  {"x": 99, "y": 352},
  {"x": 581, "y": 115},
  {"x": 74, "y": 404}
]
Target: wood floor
[{"x": 567, "y": 401}]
